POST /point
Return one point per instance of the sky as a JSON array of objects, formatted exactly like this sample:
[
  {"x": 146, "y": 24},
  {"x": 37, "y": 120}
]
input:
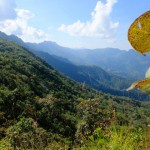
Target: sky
[{"x": 72, "y": 23}]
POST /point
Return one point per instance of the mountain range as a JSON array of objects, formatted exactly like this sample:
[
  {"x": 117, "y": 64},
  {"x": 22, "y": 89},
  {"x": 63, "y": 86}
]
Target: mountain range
[
  {"x": 88, "y": 71},
  {"x": 113, "y": 60}
]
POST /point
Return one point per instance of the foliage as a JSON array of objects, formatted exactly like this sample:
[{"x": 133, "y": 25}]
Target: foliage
[
  {"x": 42, "y": 109},
  {"x": 25, "y": 135},
  {"x": 139, "y": 36},
  {"x": 139, "y": 33},
  {"x": 143, "y": 84},
  {"x": 56, "y": 116},
  {"x": 93, "y": 114},
  {"x": 118, "y": 138}
]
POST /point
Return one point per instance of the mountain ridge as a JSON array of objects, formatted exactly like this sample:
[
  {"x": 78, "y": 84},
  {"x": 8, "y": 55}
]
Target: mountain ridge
[
  {"x": 91, "y": 75},
  {"x": 113, "y": 60}
]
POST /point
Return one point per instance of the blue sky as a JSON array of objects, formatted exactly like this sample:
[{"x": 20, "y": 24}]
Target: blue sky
[{"x": 72, "y": 23}]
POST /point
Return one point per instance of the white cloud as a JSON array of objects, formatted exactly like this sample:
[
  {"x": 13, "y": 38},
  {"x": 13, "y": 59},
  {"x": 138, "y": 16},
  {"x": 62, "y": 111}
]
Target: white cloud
[
  {"x": 18, "y": 23},
  {"x": 7, "y": 9},
  {"x": 100, "y": 24}
]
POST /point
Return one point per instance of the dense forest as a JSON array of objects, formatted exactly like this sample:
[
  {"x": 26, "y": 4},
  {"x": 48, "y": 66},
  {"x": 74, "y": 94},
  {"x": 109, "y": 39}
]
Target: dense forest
[{"x": 42, "y": 109}]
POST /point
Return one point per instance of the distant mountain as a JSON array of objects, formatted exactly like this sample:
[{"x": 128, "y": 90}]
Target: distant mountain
[
  {"x": 93, "y": 76},
  {"x": 116, "y": 61},
  {"x": 52, "y": 48},
  {"x": 124, "y": 63},
  {"x": 11, "y": 38}
]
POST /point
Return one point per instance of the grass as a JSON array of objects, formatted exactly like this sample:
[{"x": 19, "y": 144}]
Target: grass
[{"x": 119, "y": 138}]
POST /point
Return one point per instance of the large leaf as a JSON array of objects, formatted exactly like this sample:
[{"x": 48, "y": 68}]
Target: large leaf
[
  {"x": 143, "y": 85},
  {"x": 139, "y": 33}
]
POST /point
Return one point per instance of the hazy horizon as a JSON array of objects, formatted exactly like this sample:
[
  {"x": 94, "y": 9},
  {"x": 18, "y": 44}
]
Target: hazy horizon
[{"x": 74, "y": 24}]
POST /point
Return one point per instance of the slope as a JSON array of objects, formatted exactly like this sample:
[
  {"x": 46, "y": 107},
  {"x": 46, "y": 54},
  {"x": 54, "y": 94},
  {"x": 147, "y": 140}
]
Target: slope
[
  {"x": 42, "y": 109},
  {"x": 113, "y": 60},
  {"x": 24, "y": 79},
  {"x": 93, "y": 76},
  {"x": 90, "y": 75}
]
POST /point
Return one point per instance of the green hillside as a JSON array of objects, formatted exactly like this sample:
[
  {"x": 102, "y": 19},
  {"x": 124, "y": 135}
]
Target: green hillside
[
  {"x": 25, "y": 79},
  {"x": 92, "y": 76},
  {"x": 42, "y": 109}
]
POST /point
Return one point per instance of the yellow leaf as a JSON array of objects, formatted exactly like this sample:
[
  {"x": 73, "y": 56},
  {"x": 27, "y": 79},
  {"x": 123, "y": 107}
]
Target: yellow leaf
[
  {"x": 143, "y": 85},
  {"x": 139, "y": 33},
  {"x": 147, "y": 75}
]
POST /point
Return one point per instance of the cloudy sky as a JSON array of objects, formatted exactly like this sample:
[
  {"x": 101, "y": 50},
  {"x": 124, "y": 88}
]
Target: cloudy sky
[{"x": 72, "y": 23}]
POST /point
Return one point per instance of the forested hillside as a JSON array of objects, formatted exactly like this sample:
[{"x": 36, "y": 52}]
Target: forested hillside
[
  {"x": 92, "y": 76},
  {"x": 42, "y": 109}
]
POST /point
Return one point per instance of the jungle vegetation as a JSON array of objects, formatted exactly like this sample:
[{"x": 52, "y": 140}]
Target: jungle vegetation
[{"x": 42, "y": 109}]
